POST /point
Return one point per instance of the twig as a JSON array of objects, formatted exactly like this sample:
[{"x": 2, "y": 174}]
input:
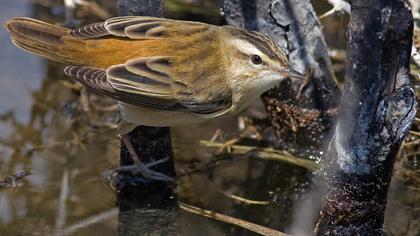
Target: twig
[
  {"x": 240, "y": 199},
  {"x": 415, "y": 142},
  {"x": 88, "y": 222},
  {"x": 265, "y": 154},
  {"x": 338, "y": 6},
  {"x": 203, "y": 167},
  {"x": 62, "y": 206},
  {"x": 84, "y": 100},
  {"x": 259, "y": 229},
  {"x": 415, "y": 133},
  {"x": 11, "y": 181}
]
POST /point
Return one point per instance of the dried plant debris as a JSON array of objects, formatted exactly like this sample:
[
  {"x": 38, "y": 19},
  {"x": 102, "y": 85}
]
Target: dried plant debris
[
  {"x": 259, "y": 229},
  {"x": 266, "y": 154},
  {"x": 12, "y": 181}
]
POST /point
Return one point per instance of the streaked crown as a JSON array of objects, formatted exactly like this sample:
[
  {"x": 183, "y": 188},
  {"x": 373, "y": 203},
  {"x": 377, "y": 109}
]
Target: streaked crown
[{"x": 259, "y": 41}]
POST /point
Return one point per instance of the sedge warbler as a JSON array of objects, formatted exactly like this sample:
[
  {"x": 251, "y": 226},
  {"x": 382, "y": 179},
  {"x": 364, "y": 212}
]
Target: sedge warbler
[{"x": 162, "y": 72}]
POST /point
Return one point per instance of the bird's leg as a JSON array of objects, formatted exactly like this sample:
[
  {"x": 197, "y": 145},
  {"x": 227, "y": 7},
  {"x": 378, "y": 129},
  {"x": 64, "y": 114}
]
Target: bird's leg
[{"x": 141, "y": 167}]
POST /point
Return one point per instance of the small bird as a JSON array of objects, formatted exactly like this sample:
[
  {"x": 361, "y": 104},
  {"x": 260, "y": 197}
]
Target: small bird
[{"x": 162, "y": 72}]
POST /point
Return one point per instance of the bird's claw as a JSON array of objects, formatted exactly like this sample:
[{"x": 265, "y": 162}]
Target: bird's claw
[{"x": 140, "y": 167}]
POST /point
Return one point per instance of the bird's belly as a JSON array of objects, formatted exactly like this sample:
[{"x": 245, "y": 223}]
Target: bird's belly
[{"x": 158, "y": 118}]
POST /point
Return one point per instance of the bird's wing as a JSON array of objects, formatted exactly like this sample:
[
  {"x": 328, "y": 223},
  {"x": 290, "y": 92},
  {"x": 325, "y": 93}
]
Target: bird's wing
[
  {"x": 138, "y": 27},
  {"x": 180, "y": 82},
  {"x": 96, "y": 79},
  {"x": 146, "y": 82},
  {"x": 95, "y": 30}
]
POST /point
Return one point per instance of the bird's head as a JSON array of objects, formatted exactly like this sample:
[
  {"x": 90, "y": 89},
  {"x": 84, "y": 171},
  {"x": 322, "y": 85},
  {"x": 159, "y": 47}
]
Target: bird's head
[{"x": 255, "y": 60}]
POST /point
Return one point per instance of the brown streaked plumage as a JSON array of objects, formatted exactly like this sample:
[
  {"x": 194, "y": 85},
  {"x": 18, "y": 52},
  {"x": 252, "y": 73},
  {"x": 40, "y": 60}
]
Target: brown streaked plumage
[{"x": 162, "y": 72}]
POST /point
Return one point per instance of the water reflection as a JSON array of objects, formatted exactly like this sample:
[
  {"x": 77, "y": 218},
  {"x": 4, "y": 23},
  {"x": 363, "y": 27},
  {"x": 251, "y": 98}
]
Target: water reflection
[
  {"x": 37, "y": 135},
  {"x": 17, "y": 79}
]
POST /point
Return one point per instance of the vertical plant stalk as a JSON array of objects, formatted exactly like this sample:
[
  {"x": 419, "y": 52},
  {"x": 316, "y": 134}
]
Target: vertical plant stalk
[
  {"x": 153, "y": 198},
  {"x": 301, "y": 114},
  {"x": 377, "y": 109}
]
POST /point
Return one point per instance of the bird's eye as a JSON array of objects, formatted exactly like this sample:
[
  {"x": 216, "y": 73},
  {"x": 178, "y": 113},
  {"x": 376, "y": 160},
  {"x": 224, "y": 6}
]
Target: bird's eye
[{"x": 256, "y": 60}]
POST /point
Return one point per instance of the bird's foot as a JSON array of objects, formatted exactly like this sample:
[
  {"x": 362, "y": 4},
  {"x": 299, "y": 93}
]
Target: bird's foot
[
  {"x": 140, "y": 167},
  {"x": 145, "y": 171}
]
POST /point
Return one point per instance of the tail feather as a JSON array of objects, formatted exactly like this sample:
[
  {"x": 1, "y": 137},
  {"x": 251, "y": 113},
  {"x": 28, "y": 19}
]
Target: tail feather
[{"x": 40, "y": 38}]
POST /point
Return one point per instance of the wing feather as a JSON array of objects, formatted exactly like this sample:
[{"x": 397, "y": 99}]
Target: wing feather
[
  {"x": 119, "y": 25},
  {"x": 122, "y": 79},
  {"x": 138, "y": 27},
  {"x": 93, "y": 78},
  {"x": 96, "y": 79},
  {"x": 152, "y": 81},
  {"x": 156, "y": 68},
  {"x": 147, "y": 30},
  {"x": 99, "y": 80},
  {"x": 95, "y": 30}
]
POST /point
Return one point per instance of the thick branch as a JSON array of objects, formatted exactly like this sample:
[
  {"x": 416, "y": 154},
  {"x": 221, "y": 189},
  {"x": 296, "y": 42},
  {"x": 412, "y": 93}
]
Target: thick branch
[
  {"x": 377, "y": 109},
  {"x": 151, "y": 144},
  {"x": 300, "y": 114}
]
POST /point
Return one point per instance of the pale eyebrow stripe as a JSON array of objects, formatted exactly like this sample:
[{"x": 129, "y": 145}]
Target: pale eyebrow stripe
[{"x": 263, "y": 43}]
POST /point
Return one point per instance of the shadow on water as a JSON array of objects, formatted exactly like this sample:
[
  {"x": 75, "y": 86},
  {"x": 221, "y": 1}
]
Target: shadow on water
[{"x": 46, "y": 127}]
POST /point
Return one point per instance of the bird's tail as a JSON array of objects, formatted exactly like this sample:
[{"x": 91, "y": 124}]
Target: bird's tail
[{"x": 44, "y": 39}]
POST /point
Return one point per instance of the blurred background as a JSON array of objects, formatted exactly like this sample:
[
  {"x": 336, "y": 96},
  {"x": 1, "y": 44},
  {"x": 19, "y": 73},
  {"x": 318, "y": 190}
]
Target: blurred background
[{"x": 66, "y": 138}]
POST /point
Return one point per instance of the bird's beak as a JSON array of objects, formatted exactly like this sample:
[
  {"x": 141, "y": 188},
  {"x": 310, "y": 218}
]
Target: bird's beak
[{"x": 289, "y": 72}]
